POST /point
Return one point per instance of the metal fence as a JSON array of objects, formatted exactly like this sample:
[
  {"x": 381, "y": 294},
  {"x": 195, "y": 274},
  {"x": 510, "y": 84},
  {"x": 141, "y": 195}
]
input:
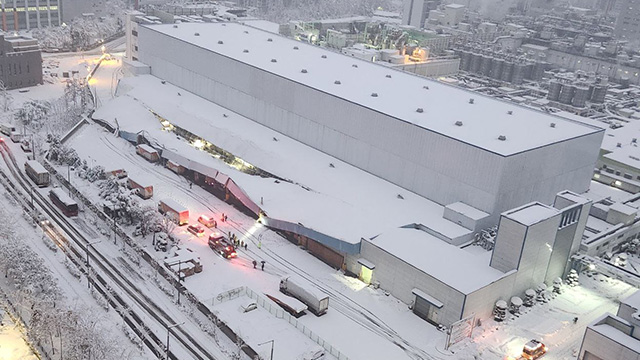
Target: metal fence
[{"x": 279, "y": 313}]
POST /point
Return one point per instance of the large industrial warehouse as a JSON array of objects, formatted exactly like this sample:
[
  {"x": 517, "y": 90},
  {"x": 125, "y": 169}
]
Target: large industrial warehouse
[
  {"x": 473, "y": 161},
  {"x": 400, "y": 126}
]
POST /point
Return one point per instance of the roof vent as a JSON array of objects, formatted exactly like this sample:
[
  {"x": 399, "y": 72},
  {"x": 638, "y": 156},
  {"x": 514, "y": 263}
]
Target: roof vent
[
  {"x": 634, "y": 140},
  {"x": 274, "y": 60},
  {"x": 388, "y": 76},
  {"x": 304, "y": 71},
  {"x": 269, "y": 39},
  {"x": 246, "y": 32},
  {"x": 295, "y": 48},
  {"x": 337, "y": 82},
  {"x": 425, "y": 87},
  {"x": 220, "y": 42},
  {"x": 223, "y": 24},
  {"x": 324, "y": 56},
  {"x": 552, "y": 125},
  {"x": 175, "y": 26},
  {"x": 374, "y": 94},
  {"x": 354, "y": 65},
  {"x": 619, "y": 145},
  {"x": 502, "y": 138},
  {"x": 458, "y": 123},
  {"x": 245, "y": 50},
  {"x": 197, "y": 34},
  {"x": 510, "y": 112},
  {"x": 420, "y": 110},
  {"x": 471, "y": 101}
]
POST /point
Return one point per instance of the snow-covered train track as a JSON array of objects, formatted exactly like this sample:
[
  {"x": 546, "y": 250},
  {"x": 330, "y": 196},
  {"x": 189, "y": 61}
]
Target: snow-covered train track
[
  {"x": 345, "y": 305},
  {"x": 121, "y": 293}
]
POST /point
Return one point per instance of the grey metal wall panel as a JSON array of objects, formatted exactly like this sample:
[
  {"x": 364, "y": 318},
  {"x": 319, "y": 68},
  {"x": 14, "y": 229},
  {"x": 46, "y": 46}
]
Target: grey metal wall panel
[
  {"x": 400, "y": 278},
  {"x": 432, "y": 165}
]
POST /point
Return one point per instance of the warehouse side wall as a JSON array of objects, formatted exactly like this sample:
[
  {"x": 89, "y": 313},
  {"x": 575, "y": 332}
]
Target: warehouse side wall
[{"x": 400, "y": 152}]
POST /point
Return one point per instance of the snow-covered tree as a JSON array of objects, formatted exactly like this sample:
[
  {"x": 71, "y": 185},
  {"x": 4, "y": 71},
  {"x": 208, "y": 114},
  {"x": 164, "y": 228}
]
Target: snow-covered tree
[
  {"x": 5, "y": 97},
  {"x": 168, "y": 225},
  {"x": 33, "y": 113},
  {"x": 63, "y": 155},
  {"x": 572, "y": 278},
  {"x": 148, "y": 218}
]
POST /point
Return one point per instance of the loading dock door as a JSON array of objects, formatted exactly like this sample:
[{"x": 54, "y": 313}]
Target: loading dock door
[
  {"x": 426, "y": 306},
  {"x": 366, "y": 270}
]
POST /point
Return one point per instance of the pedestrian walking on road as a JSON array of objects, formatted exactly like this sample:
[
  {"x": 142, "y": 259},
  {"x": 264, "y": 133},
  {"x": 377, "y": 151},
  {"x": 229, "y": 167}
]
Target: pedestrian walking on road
[
  {"x": 575, "y": 320},
  {"x": 254, "y": 264},
  {"x": 242, "y": 243},
  {"x": 259, "y": 244},
  {"x": 225, "y": 218},
  {"x": 222, "y": 218},
  {"x": 245, "y": 246},
  {"x": 190, "y": 185},
  {"x": 262, "y": 263}
]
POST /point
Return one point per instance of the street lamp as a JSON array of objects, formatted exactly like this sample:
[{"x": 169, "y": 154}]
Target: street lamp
[
  {"x": 86, "y": 248},
  {"x": 270, "y": 341},
  {"x": 169, "y": 327}
]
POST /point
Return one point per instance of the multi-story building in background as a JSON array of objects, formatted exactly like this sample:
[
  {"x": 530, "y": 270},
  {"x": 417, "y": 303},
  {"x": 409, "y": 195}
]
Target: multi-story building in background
[
  {"x": 628, "y": 23},
  {"x": 20, "y": 62},
  {"x": 29, "y": 14}
]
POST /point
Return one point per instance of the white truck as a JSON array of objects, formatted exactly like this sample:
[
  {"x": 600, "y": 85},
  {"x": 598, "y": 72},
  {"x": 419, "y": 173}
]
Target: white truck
[{"x": 316, "y": 301}]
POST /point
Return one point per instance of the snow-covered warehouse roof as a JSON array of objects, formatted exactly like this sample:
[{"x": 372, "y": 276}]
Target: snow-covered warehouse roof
[{"x": 400, "y": 95}]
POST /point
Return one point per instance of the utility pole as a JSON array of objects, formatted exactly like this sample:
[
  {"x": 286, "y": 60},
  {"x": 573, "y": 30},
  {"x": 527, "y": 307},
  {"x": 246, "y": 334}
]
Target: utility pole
[
  {"x": 88, "y": 266},
  {"x": 169, "y": 327}
]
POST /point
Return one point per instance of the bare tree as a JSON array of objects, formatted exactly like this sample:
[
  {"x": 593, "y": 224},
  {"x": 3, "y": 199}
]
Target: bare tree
[{"x": 5, "y": 97}]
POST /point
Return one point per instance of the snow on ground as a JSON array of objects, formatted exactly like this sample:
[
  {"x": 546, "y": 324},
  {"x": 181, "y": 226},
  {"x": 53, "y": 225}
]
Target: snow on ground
[
  {"x": 75, "y": 290},
  {"x": 551, "y": 323},
  {"x": 287, "y": 341},
  {"x": 281, "y": 256},
  {"x": 13, "y": 345},
  {"x": 341, "y": 201},
  {"x": 362, "y": 322}
]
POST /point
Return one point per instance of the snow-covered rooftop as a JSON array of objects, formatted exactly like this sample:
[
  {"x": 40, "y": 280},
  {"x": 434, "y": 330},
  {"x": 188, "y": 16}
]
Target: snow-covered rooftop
[
  {"x": 531, "y": 213},
  {"x": 628, "y": 155},
  {"x": 468, "y": 210},
  {"x": 341, "y": 201},
  {"x": 460, "y": 269},
  {"x": 633, "y": 300},
  {"x": 400, "y": 94}
]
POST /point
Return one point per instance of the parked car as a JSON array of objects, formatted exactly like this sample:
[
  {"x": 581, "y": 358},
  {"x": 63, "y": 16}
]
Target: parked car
[
  {"x": 534, "y": 349},
  {"x": 207, "y": 221},
  {"x": 196, "y": 230}
]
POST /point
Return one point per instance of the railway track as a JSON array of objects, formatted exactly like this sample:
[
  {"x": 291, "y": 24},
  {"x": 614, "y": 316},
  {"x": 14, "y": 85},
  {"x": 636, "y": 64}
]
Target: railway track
[
  {"x": 342, "y": 303},
  {"x": 105, "y": 276}
]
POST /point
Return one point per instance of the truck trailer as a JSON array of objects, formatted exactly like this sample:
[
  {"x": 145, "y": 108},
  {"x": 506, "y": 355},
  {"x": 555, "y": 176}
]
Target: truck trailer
[
  {"x": 175, "y": 211},
  {"x": 148, "y": 152},
  {"x": 316, "y": 301}
]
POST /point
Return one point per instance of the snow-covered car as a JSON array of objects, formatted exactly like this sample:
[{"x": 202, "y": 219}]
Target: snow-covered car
[
  {"x": 162, "y": 241},
  {"x": 534, "y": 349},
  {"x": 207, "y": 221},
  {"x": 196, "y": 230}
]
